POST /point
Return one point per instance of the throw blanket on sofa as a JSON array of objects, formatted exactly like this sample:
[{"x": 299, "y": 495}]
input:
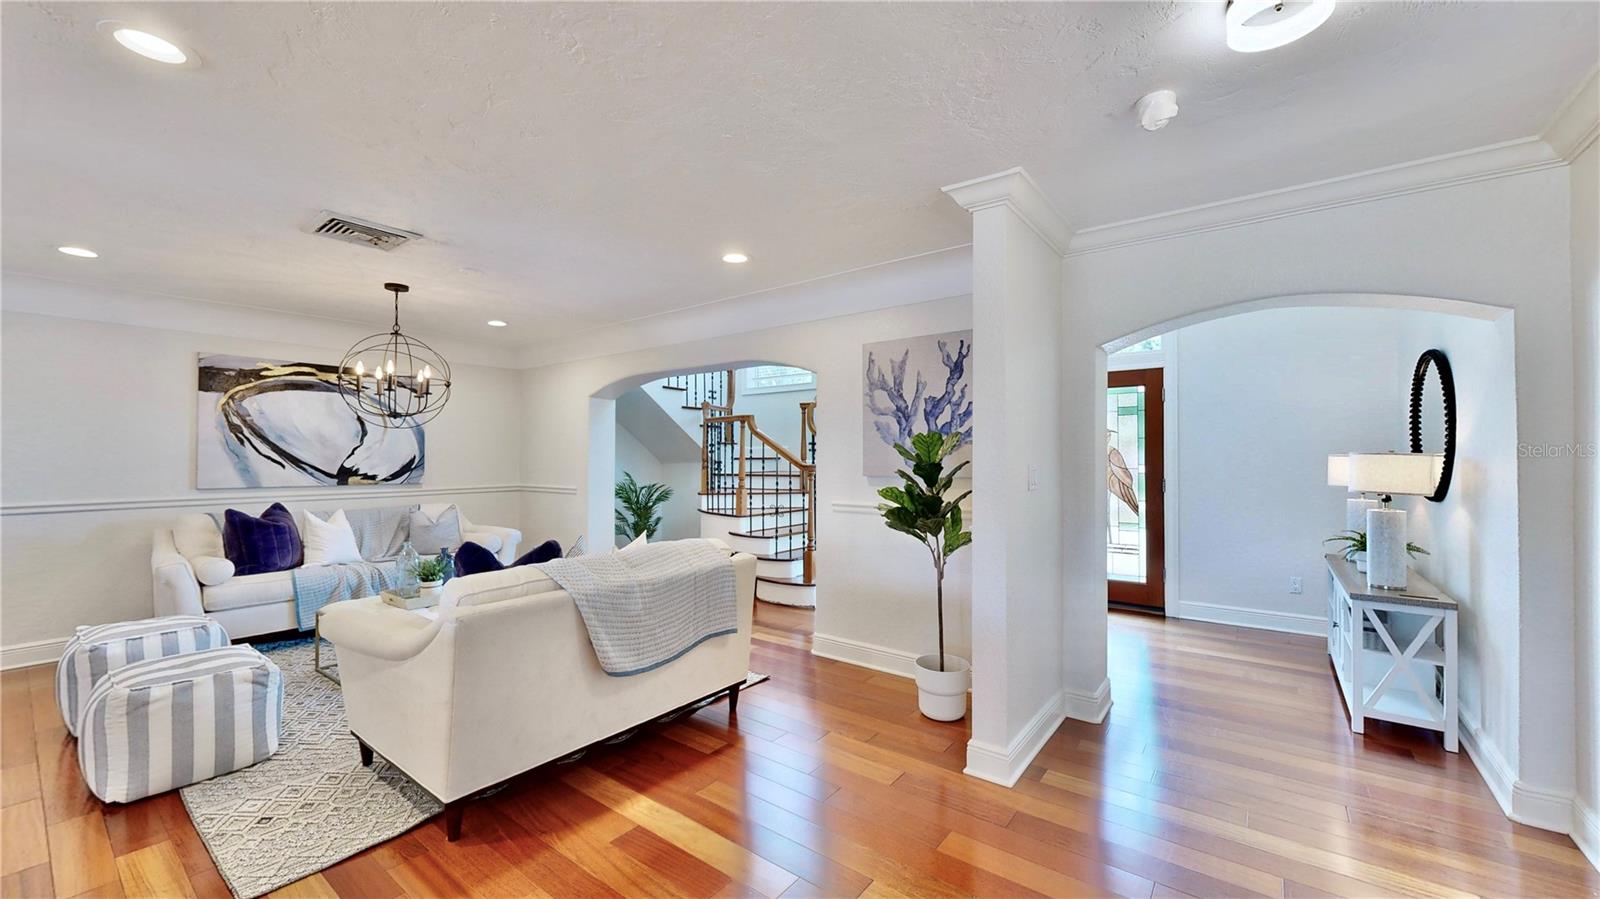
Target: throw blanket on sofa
[
  {"x": 318, "y": 585},
  {"x": 647, "y": 606},
  {"x": 380, "y": 532}
]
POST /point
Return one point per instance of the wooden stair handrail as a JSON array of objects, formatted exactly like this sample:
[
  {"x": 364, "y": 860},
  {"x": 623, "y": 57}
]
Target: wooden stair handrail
[{"x": 746, "y": 428}]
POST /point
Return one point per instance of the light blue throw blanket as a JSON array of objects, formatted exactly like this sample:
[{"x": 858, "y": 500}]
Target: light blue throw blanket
[
  {"x": 379, "y": 535},
  {"x": 646, "y": 607}
]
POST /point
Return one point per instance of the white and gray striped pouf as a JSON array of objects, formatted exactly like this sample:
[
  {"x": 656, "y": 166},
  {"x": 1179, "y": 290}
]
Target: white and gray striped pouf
[
  {"x": 159, "y": 724},
  {"x": 93, "y": 652}
]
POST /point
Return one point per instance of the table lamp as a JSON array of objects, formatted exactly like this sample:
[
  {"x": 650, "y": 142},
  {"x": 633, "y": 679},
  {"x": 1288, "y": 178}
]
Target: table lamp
[
  {"x": 1355, "y": 507},
  {"x": 1387, "y": 474}
]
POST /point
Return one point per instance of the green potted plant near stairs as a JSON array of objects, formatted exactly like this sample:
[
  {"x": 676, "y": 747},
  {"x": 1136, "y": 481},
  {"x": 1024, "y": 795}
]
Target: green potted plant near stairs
[{"x": 921, "y": 509}]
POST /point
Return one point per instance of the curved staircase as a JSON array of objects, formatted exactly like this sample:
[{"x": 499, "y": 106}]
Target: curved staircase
[{"x": 755, "y": 493}]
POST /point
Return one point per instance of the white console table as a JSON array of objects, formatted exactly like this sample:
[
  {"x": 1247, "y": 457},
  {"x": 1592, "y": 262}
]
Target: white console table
[{"x": 1415, "y": 685}]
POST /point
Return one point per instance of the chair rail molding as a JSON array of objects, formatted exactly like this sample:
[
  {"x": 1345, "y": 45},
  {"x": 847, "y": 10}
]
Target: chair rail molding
[{"x": 298, "y": 494}]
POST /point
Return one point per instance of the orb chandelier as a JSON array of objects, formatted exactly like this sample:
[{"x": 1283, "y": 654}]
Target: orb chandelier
[{"x": 392, "y": 380}]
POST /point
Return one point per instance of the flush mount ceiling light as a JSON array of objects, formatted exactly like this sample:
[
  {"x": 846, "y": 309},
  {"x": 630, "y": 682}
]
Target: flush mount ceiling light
[
  {"x": 1256, "y": 25},
  {"x": 735, "y": 258},
  {"x": 80, "y": 252},
  {"x": 150, "y": 46},
  {"x": 496, "y": 323}
]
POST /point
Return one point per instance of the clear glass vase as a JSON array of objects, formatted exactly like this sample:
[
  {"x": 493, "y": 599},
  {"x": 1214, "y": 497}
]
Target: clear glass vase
[{"x": 406, "y": 582}]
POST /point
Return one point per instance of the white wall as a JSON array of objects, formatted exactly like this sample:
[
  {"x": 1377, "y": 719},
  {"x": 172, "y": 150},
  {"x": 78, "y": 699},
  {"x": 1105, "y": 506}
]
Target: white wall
[
  {"x": 777, "y": 414},
  {"x": 1472, "y": 537},
  {"x": 874, "y": 586},
  {"x": 1585, "y": 196},
  {"x": 97, "y": 447},
  {"x": 679, "y": 518},
  {"x": 1258, "y": 401},
  {"x": 1502, "y": 242}
]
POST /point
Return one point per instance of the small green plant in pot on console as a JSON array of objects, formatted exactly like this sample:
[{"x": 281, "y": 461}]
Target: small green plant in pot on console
[{"x": 923, "y": 509}]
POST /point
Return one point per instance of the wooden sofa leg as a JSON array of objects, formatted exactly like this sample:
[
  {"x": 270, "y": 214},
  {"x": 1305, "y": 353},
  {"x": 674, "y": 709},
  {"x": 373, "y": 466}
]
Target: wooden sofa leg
[
  {"x": 366, "y": 752},
  {"x": 452, "y": 819},
  {"x": 733, "y": 699}
]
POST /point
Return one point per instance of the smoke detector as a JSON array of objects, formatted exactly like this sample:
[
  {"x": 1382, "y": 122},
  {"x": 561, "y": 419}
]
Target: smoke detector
[
  {"x": 1156, "y": 109},
  {"x": 350, "y": 229}
]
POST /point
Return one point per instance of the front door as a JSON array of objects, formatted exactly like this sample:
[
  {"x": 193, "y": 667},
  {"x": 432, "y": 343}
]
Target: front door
[{"x": 1135, "y": 529}]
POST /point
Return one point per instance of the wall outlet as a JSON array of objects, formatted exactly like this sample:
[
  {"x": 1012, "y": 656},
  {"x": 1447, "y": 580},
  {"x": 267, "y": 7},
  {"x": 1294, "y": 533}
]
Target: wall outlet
[{"x": 1295, "y": 586}]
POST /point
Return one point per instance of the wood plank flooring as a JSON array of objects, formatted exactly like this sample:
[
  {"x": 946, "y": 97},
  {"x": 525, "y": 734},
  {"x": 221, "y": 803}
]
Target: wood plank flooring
[{"x": 1226, "y": 769}]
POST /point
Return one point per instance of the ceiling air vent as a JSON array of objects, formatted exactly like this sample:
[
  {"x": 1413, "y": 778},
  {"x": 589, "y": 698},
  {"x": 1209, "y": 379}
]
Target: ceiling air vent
[{"x": 359, "y": 231}]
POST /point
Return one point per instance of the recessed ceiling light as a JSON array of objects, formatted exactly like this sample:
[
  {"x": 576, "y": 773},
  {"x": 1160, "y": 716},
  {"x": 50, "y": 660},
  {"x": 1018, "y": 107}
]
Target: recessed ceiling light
[
  {"x": 1256, "y": 25},
  {"x": 80, "y": 252},
  {"x": 150, "y": 46},
  {"x": 735, "y": 258},
  {"x": 496, "y": 323}
]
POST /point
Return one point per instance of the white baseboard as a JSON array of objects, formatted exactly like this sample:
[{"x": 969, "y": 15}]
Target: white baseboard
[
  {"x": 1491, "y": 765},
  {"x": 39, "y": 652},
  {"x": 1239, "y": 616},
  {"x": 1005, "y": 765},
  {"x": 1521, "y": 801},
  {"x": 866, "y": 655},
  {"x": 1090, "y": 707},
  {"x": 1541, "y": 808},
  {"x": 1586, "y": 831}
]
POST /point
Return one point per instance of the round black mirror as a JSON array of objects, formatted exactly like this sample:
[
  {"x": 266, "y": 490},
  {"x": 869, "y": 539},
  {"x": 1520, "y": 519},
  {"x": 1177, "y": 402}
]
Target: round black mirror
[{"x": 1433, "y": 414}]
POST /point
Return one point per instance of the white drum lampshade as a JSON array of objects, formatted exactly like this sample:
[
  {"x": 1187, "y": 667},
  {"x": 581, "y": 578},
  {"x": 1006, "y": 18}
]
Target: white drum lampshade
[
  {"x": 1414, "y": 474},
  {"x": 1395, "y": 473},
  {"x": 1339, "y": 470},
  {"x": 1355, "y": 508}
]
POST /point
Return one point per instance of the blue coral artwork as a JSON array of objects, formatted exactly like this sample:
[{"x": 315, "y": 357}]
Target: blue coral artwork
[{"x": 913, "y": 385}]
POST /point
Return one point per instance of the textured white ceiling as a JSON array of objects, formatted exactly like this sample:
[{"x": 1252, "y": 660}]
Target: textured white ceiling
[{"x": 578, "y": 165}]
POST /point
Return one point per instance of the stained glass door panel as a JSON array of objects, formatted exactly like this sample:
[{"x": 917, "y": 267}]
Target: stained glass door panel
[{"x": 1135, "y": 565}]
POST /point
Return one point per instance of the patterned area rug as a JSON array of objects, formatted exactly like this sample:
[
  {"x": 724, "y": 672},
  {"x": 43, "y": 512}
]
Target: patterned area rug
[{"x": 312, "y": 804}]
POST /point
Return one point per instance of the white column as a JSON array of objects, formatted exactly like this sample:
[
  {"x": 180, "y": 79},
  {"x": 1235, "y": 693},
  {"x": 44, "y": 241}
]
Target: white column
[{"x": 1017, "y": 241}]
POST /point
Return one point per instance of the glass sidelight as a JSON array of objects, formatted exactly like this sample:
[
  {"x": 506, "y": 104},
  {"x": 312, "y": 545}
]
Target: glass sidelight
[{"x": 1135, "y": 551}]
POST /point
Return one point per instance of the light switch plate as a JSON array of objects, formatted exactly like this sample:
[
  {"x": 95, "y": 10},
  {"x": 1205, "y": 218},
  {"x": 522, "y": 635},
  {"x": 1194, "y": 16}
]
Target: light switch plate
[
  {"x": 1295, "y": 585},
  {"x": 1033, "y": 477}
]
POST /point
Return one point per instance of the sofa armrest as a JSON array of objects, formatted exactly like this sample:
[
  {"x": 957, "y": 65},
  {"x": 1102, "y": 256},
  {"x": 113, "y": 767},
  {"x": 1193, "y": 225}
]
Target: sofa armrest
[
  {"x": 176, "y": 590},
  {"x": 509, "y": 538},
  {"x": 371, "y": 627}
]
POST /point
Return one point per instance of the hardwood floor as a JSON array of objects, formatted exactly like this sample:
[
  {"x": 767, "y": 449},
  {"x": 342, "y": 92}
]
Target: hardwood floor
[{"x": 1225, "y": 769}]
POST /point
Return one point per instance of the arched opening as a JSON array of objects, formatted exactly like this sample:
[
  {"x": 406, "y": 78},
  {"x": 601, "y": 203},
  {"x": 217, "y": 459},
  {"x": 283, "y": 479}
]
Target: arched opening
[
  {"x": 726, "y": 451},
  {"x": 1256, "y": 395}
]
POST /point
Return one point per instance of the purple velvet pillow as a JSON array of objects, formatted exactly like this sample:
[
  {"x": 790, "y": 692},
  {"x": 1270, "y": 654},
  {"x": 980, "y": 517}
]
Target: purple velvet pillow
[
  {"x": 259, "y": 545},
  {"x": 474, "y": 559}
]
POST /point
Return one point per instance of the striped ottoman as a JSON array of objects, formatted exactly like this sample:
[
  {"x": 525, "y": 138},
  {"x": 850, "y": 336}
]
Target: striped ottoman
[
  {"x": 93, "y": 652},
  {"x": 159, "y": 724}
]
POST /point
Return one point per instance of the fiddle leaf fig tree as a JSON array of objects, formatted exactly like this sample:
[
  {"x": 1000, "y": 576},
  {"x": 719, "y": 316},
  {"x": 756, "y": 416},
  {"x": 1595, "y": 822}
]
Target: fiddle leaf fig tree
[{"x": 922, "y": 507}]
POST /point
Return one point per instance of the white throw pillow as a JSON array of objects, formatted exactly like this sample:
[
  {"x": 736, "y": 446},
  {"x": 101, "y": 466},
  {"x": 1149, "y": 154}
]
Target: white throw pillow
[
  {"x": 579, "y": 547},
  {"x": 212, "y": 570},
  {"x": 436, "y": 530},
  {"x": 328, "y": 542},
  {"x": 637, "y": 542},
  {"x": 195, "y": 534}
]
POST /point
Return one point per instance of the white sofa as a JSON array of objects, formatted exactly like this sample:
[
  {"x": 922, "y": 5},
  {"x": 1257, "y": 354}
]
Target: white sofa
[
  {"x": 248, "y": 605},
  {"x": 504, "y": 679}
]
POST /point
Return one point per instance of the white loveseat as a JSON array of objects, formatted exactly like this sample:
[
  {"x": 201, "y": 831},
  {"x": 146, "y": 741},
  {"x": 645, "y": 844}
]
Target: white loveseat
[
  {"x": 504, "y": 678},
  {"x": 185, "y": 555}
]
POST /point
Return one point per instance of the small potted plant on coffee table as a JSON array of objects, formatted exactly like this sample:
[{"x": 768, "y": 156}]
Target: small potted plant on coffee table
[{"x": 430, "y": 576}]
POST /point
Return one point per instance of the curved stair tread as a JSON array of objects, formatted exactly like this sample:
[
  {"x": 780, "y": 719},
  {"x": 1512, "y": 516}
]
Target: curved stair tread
[
  {"x": 798, "y": 581},
  {"x": 786, "y": 531}
]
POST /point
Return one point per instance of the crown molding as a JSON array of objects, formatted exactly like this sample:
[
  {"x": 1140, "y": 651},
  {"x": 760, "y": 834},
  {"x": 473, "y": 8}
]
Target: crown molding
[
  {"x": 40, "y": 295},
  {"x": 1528, "y": 154},
  {"x": 1017, "y": 191},
  {"x": 1576, "y": 124}
]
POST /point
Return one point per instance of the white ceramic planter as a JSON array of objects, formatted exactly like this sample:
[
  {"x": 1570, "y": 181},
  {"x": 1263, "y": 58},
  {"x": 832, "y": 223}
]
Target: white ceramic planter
[
  {"x": 1361, "y": 561},
  {"x": 430, "y": 590},
  {"x": 942, "y": 695}
]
